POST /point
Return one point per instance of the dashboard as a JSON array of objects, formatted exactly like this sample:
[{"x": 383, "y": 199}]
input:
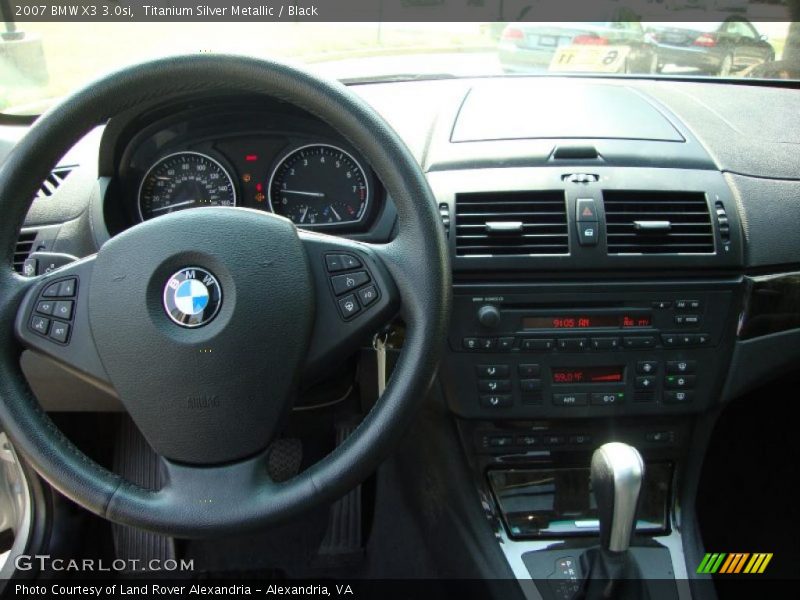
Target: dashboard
[{"x": 582, "y": 215}]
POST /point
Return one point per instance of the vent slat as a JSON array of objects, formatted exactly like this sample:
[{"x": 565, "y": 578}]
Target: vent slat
[
  {"x": 23, "y": 248},
  {"x": 691, "y": 231},
  {"x": 543, "y": 216},
  {"x": 53, "y": 181}
]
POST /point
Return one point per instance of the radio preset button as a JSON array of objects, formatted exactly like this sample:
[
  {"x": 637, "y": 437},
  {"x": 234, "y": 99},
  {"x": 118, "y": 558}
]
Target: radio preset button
[
  {"x": 538, "y": 345},
  {"x": 570, "y": 399},
  {"x": 605, "y": 343},
  {"x": 573, "y": 344},
  {"x": 487, "y": 343},
  {"x": 492, "y": 371},
  {"x": 470, "y": 343}
]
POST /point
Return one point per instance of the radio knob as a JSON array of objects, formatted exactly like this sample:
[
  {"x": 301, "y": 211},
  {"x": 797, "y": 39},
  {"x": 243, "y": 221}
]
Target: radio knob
[{"x": 489, "y": 316}]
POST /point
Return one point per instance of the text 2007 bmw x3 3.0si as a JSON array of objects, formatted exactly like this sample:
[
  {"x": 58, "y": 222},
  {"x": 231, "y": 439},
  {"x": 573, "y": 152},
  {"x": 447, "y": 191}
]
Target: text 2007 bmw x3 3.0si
[{"x": 399, "y": 299}]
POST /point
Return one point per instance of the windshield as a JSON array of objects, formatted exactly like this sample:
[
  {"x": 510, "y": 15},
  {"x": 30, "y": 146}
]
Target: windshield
[{"x": 42, "y": 61}]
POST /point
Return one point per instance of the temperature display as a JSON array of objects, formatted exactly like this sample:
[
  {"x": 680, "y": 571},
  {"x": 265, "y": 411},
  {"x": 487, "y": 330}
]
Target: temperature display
[
  {"x": 609, "y": 321},
  {"x": 588, "y": 374}
]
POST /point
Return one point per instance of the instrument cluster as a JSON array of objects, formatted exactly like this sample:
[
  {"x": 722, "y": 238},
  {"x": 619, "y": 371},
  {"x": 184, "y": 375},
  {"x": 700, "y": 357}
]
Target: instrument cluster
[{"x": 312, "y": 178}]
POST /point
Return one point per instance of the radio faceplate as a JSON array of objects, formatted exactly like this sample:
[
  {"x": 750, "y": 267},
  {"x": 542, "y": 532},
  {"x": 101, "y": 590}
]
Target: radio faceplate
[{"x": 577, "y": 352}]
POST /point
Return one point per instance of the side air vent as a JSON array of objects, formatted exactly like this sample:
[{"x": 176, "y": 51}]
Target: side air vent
[
  {"x": 648, "y": 222},
  {"x": 23, "y": 249},
  {"x": 511, "y": 224},
  {"x": 53, "y": 181}
]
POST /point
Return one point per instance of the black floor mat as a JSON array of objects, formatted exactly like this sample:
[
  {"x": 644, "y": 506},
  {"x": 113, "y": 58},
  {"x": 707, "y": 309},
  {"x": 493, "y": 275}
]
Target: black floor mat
[{"x": 747, "y": 499}]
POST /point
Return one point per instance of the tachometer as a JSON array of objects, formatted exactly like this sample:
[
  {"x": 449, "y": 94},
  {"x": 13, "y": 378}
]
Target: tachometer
[
  {"x": 319, "y": 185},
  {"x": 184, "y": 180}
]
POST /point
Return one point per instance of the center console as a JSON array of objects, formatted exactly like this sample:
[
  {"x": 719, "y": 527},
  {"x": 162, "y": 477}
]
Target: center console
[{"x": 579, "y": 320}]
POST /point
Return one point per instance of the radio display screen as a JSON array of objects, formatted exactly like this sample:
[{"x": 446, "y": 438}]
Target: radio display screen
[
  {"x": 608, "y": 321},
  {"x": 588, "y": 374}
]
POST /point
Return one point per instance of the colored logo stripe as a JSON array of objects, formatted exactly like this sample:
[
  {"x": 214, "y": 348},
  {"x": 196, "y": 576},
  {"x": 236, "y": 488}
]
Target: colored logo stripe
[{"x": 734, "y": 563}]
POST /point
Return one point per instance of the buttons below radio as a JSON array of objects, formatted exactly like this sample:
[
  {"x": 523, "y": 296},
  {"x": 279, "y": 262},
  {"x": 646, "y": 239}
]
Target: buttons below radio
[
  {"x": 528, "y": 371},
  {"x": 646, "y": 367},
  {"x": 491, "y": 371},
  {"x": 572, "y": 344},
  {"x": 677, "y": 382},
  {"x": 494, "y": 385},
  {"x": 677, "y": 397},
  {"x": 645, "y": 383},
  {"x": 496, "y": 400},
  {"x": 681, "y": 366},
  {"x": 579, "y": 399},
  {"x": 530, "y": 385}
]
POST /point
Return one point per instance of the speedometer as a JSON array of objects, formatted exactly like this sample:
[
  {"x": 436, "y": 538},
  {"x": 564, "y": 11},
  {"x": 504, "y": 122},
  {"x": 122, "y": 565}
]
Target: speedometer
[
  {"x": 184, "y": 180},
  {"x": 319, "y": 185}
]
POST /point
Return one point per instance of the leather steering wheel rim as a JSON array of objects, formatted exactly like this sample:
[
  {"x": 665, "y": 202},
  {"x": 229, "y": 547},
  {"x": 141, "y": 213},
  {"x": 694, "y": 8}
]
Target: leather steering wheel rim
[{"x": 210, "y": 501}]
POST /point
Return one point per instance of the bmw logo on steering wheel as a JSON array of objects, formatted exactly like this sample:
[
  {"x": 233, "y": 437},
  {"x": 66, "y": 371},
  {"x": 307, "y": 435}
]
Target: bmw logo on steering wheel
[{"x": 192, "y": 297}]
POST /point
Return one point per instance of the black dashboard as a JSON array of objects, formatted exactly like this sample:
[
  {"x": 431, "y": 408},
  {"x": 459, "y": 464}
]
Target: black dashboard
[{"x": 569, "y": 199}]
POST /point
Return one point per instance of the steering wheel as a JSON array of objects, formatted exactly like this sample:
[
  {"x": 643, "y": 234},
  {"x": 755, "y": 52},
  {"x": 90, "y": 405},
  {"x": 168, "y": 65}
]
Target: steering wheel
[{"x": 204, "y": 322}]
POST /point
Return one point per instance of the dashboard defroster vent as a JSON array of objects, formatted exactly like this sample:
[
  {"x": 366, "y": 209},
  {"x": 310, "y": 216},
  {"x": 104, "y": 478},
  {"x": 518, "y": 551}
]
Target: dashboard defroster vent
[
  {"x": 648, "y": 222},
  {"x": 53, "y": 181},
  {"x": 511, "y": 224}
]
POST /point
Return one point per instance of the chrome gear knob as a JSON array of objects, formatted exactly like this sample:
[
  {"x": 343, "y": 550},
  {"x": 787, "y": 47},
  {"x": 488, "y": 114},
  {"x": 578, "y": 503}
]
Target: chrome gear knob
[{"x": 616, "y": 475}]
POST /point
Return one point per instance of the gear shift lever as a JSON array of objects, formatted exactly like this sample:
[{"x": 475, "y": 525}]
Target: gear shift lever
[{"x": 617, "y": 471}]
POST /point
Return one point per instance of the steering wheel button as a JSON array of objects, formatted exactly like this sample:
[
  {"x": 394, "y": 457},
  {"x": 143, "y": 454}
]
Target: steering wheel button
[
  {"x": 45, "y": 307},
  {"x": 40, "y": 325},
  {"x": 349, "y": 262},
  {"x": 66, "y": 289},
  {"x": 346, "y": 283},
  {"x": 349, "y": 306},
  {"x": 60, "y": 332},
  {"x": 51, "y": 291},
  {"x": 63, "y": 309},
  {"x": 333, "y": 262},
  {"x": 368, "y": 295}
]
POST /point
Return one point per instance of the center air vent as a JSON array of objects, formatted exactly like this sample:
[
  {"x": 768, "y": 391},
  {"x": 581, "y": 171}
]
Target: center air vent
[
  {"x": 658, "y": 223},
  {"x": 511, "y": 224}
]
